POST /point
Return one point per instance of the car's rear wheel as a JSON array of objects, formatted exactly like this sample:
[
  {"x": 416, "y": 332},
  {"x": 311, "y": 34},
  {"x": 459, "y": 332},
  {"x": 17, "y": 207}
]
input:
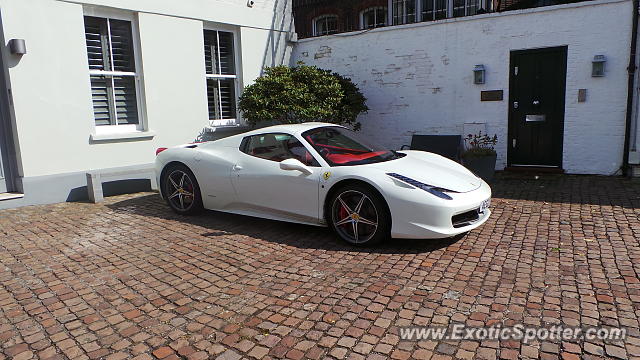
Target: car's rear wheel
[
  {"x": 181, "y": 190},
  {"x": 359, "y": 216}
]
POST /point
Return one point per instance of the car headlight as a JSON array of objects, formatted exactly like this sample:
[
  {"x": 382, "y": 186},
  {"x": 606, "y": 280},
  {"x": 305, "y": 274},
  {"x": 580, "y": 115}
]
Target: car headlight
[{"x": 433, "y": 190}]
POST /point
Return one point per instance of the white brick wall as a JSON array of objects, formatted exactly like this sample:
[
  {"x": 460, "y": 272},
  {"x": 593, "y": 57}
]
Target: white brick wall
[{"x": 418, "y": 77}]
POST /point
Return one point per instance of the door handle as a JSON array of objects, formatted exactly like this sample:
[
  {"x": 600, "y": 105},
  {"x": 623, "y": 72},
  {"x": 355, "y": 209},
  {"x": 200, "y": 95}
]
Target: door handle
[
  {"x": 515, "y": 104},
  {"x": 536, "y": 102},
  {"x": 237, "y": 167}
]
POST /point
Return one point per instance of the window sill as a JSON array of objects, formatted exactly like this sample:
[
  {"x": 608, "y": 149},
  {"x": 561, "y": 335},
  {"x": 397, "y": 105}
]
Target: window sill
[{"x": 129, "y": 136}]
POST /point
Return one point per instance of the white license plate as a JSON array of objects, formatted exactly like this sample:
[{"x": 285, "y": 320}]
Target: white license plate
[{"x": 485, "y": 205}]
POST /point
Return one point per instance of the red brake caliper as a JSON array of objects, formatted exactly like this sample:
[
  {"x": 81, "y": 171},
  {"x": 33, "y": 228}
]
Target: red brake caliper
[{"x": 343, "y": 214}]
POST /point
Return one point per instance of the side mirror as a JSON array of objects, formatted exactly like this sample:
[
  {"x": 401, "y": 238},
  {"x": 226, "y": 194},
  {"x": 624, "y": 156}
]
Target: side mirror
[{"x": 294, "y": 164}]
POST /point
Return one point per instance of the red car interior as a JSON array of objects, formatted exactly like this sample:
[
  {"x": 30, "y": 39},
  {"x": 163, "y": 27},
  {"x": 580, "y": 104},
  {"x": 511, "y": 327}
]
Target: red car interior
[
  {"x": 345, "y": 158},
  {"x": 341, "y": 155}
]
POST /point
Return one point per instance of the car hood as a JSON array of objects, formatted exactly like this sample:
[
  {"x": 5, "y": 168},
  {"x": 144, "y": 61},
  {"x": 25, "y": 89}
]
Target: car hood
[{"x": 432, "y": 169}]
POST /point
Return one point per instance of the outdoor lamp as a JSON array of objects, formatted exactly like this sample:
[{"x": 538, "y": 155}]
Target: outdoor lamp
[
  {"x": 478, "y": 74},
  {"x": 598, "y": 66},
  {"x": 17, "y": 46}
]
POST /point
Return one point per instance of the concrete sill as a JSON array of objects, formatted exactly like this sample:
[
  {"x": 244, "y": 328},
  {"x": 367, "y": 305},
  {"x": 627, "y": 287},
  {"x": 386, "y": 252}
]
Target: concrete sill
[
  {"x": 140, "y": 135},
  {"x": 10, "y": 196}
]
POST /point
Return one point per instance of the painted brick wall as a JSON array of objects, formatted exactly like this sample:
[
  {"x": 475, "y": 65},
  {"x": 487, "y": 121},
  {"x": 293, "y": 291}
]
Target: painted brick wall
[{"x": 418, "y": 77}]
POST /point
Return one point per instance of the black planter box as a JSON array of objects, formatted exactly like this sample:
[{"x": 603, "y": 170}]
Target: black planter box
[{"x": 483, "y": 166}]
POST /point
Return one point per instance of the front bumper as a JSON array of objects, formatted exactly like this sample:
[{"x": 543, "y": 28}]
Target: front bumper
[{"x": 420, "y": 215}]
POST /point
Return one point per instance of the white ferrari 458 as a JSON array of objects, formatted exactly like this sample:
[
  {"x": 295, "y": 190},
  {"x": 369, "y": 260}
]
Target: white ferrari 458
[{"x": 325, "y": 175}]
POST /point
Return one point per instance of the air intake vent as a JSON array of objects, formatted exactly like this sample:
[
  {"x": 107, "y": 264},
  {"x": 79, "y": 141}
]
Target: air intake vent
[{"x": 464, "y": 219}]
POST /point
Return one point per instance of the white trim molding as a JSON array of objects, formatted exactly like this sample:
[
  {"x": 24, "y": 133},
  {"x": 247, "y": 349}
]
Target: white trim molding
[{"x": 138, "y": 135}]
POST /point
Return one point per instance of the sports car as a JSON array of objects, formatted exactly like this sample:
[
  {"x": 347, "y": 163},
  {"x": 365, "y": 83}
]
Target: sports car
[{"x": 325, "y": 175}]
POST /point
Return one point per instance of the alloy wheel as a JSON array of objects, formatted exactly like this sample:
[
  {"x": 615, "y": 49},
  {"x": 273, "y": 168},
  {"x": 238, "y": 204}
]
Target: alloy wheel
[
  {"x": 355, "y": 216},
  {"x": 180, "y": 189}
]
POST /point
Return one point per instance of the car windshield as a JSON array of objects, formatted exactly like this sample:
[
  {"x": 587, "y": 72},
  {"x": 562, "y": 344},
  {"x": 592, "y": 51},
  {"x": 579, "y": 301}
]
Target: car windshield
[{"x": 343, "y": 147}]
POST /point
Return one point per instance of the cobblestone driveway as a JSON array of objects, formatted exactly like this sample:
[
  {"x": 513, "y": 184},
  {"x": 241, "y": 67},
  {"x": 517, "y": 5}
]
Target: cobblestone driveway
[{"x": 130, "y": 279}]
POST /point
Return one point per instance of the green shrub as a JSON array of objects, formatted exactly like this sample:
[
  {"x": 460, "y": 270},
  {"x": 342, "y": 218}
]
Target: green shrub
[{"x": 286, "y": 95}]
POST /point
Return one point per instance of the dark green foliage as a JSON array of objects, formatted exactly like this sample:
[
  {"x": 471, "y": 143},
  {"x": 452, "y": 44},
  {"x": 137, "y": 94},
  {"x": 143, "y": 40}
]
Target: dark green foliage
[{"x": 286, "y": 95}]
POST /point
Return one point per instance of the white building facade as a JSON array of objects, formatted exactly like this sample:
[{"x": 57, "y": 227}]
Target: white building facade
[
  {"x": 419, "y": 79},
  {"x": 103, "y": 83}
]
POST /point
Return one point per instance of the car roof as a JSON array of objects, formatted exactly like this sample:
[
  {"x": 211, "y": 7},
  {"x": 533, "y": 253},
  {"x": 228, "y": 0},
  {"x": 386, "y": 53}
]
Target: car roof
[
  {"x": 289, "y": 128},
  {"x": 293, "y": 129}
]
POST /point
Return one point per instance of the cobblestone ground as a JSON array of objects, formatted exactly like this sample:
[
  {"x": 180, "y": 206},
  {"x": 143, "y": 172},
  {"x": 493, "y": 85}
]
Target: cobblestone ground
[{"x": 128, "y": 278}]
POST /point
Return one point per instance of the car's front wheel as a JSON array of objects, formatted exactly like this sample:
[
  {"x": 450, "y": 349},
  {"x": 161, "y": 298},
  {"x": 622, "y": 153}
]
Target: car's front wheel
[
  {"x": 358, "y": 215},
  {"x": 181, "y": 190}
]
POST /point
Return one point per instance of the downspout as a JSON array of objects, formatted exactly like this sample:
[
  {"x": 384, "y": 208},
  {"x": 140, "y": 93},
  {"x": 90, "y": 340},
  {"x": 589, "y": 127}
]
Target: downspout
[{"x": 630, "y": 88}]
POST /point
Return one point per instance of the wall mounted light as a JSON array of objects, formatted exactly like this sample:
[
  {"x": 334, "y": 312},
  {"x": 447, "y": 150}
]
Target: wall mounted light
[
  {"x": 17, "y": 46},
  {"x": 479, "y": 74},
  {"x": 598, "y": 66}
]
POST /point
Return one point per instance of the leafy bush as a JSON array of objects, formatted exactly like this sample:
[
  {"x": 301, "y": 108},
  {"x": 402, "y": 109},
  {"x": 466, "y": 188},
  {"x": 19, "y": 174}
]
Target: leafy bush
[
  {"x": 479, "y": 145},
  {"x": 302, "y": 93}
]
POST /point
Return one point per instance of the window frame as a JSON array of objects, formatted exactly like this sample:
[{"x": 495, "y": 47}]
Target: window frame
[
  {"x": 237, "y": 78},
  {"x": 374, "y": 9},
  {"x": 132, "y": 18},
  {"x": 416, "y": 4},
  {"x": 466, "y": 6},
  {"x": 315, "y": 20},
  {"x": 447, "y": 10},
  {"x": 246, "y": 141}
]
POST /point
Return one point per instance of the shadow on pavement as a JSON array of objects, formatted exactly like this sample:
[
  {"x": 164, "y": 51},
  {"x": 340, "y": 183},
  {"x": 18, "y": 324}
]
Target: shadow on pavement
[
  {"x": 214, "y": 223},
  {"x": 568, "y": 189}
]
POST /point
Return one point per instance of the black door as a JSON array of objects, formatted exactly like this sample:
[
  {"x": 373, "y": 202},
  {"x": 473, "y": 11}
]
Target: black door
[{"x": 536, "y": 107}]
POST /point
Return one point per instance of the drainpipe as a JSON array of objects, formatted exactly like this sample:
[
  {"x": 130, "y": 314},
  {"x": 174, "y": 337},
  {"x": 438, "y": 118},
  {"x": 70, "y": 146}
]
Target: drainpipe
[{"x": 630, "y": 88}]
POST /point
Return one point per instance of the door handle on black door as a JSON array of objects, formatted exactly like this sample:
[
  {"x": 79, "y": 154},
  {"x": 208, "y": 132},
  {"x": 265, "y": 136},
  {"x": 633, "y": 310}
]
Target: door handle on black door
[{"x": 515, "y": 104}]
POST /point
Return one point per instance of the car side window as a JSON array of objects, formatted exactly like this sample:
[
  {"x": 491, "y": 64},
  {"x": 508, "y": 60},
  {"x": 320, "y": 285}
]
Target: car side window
[{"x": 277, "y": 147}]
